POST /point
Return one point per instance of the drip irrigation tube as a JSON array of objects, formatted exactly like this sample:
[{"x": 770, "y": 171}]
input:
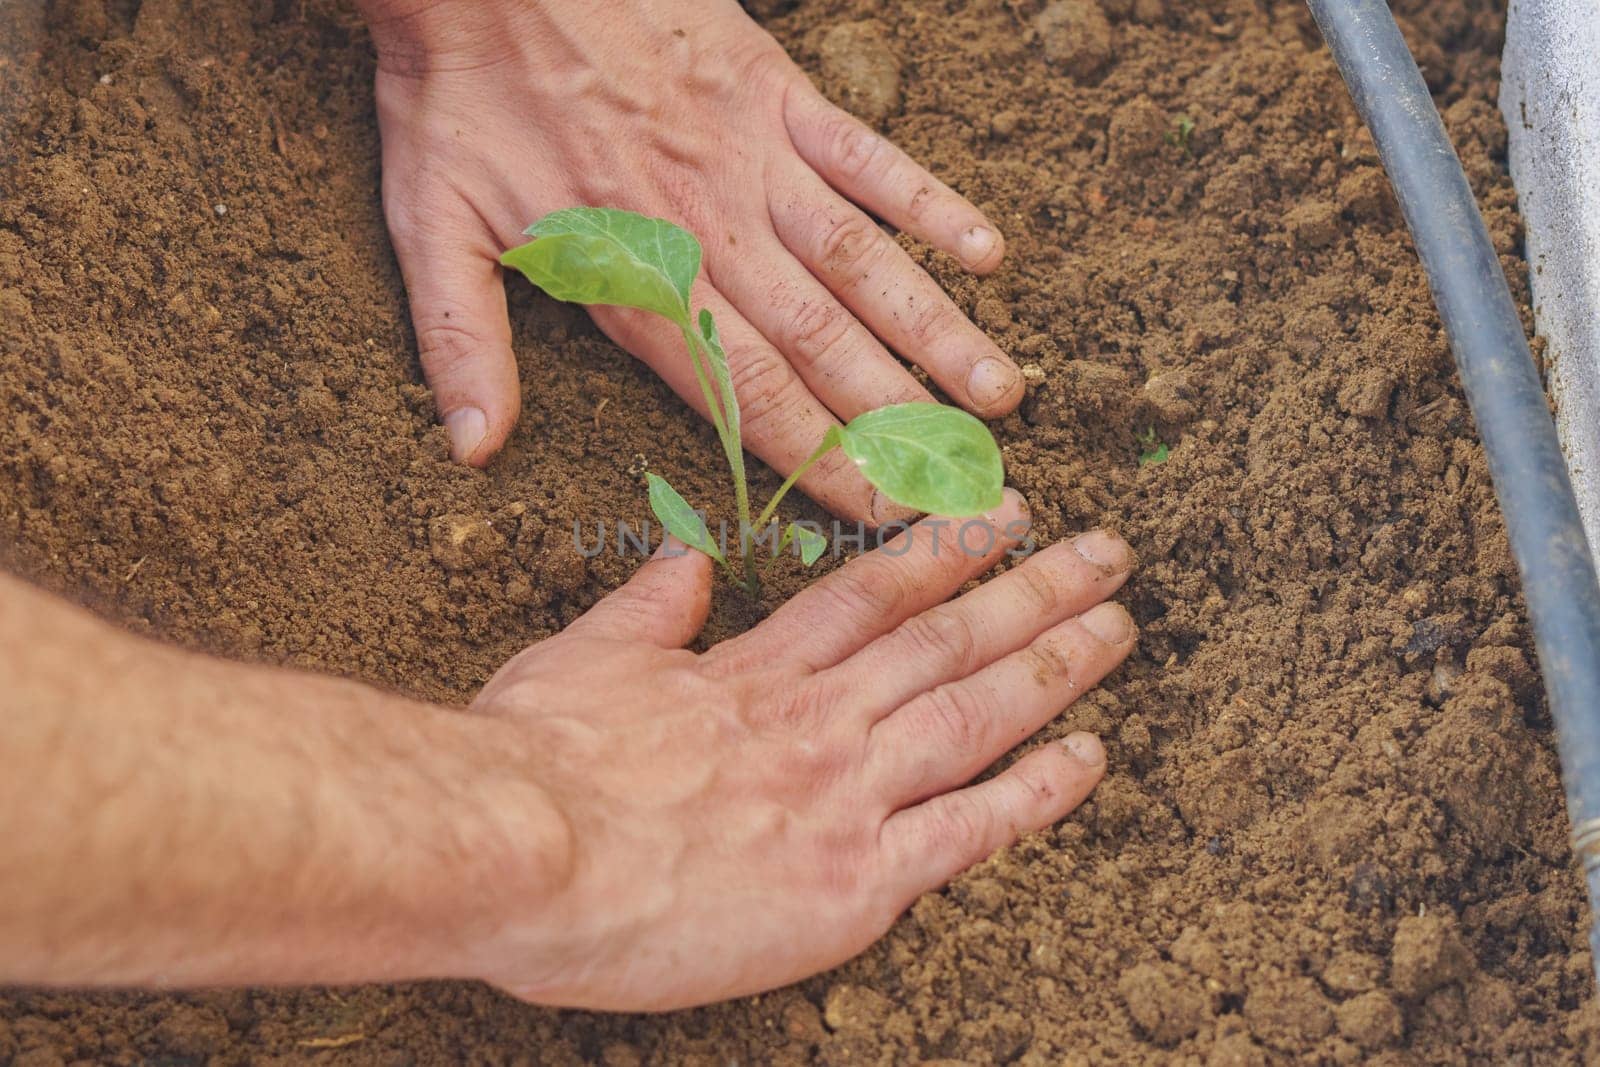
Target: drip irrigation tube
[{"x": 1502, "y": 386}]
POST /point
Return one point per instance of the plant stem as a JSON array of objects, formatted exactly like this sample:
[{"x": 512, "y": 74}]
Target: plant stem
[
  {"x": 830, "y": 441},
  {"x": 733, "y": 448}
]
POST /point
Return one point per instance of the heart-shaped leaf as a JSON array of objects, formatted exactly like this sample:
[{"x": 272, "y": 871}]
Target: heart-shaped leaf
[
  {"x": 590, "y": 255},
  {"x": 681, "y": 521},
  {"x": 930, "y": 457},
  {"x": 811, "y": 543}
]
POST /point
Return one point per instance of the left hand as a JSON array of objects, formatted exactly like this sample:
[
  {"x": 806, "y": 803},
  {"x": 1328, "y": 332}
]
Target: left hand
[{"x": 496, "y": 112}]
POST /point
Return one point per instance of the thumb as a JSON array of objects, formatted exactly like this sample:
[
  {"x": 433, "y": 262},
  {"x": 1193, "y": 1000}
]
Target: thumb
[
  {"x": 665, "y": 603},
  {"x": 458, "y": 306}
]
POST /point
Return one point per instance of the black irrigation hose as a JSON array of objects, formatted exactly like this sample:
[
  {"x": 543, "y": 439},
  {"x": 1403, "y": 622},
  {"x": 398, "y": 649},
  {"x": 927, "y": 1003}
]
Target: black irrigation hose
[{"x": 1502, "y": 385}]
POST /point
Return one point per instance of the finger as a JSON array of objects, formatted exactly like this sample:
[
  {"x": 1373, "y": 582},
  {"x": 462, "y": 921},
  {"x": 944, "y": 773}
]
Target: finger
[
  {"x": 873, "y": 277},
  {"x": 665, "y": 603},
  {"x": 837, "y": 357},
  {"x": 947, "y": 735},
  {"x": 867, "y": 168},
  {"x": 926, "y": 846},
  {"x": 458, "y": 307},
  {"x": 950, "y": 641},
  {"x": 783, "y": 421},
  {"x": 835, "y": 617}
]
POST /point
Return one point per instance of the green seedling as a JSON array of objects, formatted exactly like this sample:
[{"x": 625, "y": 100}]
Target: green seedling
[
  {"x": 1182, "y": 129},
  {"x": 1151, "y": 448},
  {"x": 924, "y": 456}
]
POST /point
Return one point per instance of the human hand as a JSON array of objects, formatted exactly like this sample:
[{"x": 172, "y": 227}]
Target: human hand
[
  {"x": 495, "y": 112},
  {"x": 744, "y": 818}
]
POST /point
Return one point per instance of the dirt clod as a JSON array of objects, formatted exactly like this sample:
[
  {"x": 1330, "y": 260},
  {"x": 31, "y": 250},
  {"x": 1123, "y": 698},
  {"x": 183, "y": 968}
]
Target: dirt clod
[{"x": 1428, "y": 953}]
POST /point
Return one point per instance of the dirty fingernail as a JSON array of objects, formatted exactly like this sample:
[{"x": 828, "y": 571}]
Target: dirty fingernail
[
  {"x": 1086, "y": 748},
  {"x": 467, "y": 428},
  {"x": 991, "y": 380},
  {"x": 976, "y": 244},
  {"x": 1111, "y": 623},
  {"x": 1105, "y": 550}
]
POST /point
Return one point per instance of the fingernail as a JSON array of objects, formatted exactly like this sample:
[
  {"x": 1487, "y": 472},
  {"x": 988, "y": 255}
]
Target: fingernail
[
  {"x": 1111, "y": 623},
  {"x": 1086, "y": 748},
  {"x": 976, "y": 244},
  {"x": 884, "y": 511},
  {"x": 1105, "y": 550},
  {"x": 1011, "y": 501},
  {"x": 991, "y": 380},
  {"x": 467, "y": 428}
]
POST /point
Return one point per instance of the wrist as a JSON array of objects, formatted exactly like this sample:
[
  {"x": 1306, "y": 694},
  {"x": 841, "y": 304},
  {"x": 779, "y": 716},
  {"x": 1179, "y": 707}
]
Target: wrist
[{"x": 496, "y": 850}]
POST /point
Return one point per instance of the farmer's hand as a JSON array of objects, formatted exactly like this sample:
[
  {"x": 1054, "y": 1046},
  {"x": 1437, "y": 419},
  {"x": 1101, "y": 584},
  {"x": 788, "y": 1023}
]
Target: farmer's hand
[
  {"x": 495, "y": 112},
  {"x": 622, "y": 824},
  {"x": 750, "y": 816}
]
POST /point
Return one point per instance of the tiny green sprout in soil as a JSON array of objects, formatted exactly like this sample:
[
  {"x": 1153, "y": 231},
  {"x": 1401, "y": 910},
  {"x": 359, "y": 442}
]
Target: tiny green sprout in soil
[
  {"x": 1151, "y": 448},
  {"x": 1182, "y": 129},
  {"x": 928, "y": 457}
]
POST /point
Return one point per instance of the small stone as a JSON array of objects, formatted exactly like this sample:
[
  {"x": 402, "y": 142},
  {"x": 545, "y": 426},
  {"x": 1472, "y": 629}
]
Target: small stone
[
  {"x": 219, "y": 209},
  {"x": 854, "y": 1008},
  {"x": 861, "y": 70},
  {"x": 1004, "y": 124},
  {"x": 460, "y": 542},
  {"x": 1077, "y": 35}
]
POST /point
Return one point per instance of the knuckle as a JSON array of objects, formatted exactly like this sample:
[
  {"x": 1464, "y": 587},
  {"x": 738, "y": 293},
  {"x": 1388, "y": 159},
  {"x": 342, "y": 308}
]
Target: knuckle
[
  {"x": 856, "y": 149},
  {"x": 871, "y": 584},
  {"x": 932, "y": 320},
  {"x": 962, "y": 826},
  {"x": 927, "y": 200},
  {"x": 813, "y": 329},
  {"x": 943, "y": 635},
  {"x": 851, "y": 245},
  {"x": 763, "y": 384},
  {"x": 814, "y": 762},
  {"x": 1048, "y": 659},
  {"x": 956, "y": 718},
  {"x": 446, "y": 348},
  {"x": 1040, "y": 588}
]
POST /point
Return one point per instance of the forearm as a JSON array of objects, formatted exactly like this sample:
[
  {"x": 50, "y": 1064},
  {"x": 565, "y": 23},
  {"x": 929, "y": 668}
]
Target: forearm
[{"x": 173, "y": 819}]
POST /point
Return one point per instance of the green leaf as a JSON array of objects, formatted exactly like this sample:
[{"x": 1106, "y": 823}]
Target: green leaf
[
  {"x": 591, "y": 255},
  {"x": 681, "y": 521},
  {"x": 720, "y": 373},
  {"x": 930, "y": 457},
  {"x": 812, "y": 544}
]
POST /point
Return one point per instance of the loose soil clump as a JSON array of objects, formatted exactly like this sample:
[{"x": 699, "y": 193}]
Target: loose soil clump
[{"x": 1332, "y": 830}]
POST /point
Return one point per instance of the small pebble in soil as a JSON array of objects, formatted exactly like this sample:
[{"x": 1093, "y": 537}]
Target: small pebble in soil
[
  {"x": 219, "y": 209},
  {"x": 1076, "y": 35},
  {"x": 860, "y": 70}
]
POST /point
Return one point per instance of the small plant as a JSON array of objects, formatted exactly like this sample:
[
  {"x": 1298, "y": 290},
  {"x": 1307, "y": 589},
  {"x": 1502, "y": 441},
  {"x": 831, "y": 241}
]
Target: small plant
[
  {"x": 1182, "y": 129},
  {"x": 1151, "y": 448},
  {"x": 924, "y": 456}
]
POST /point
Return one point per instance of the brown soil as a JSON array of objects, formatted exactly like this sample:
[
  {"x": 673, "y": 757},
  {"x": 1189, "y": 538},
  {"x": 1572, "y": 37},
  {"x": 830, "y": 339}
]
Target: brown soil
[{"x": 1332, "y": 830}]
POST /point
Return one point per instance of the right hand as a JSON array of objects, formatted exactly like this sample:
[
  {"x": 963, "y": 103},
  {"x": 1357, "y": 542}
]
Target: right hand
[
  {"x": 737, "y": 820},
  {"x": 495, "y": 112}
]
